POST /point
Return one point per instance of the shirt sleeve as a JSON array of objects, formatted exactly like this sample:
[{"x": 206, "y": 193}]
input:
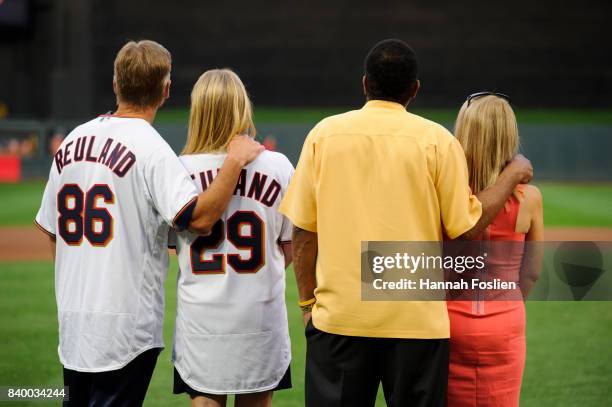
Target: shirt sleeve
[
  {"x": 299, "y": 203},
  {"x": 286, "y": 230},
  {"x": 460, "y": 209},
  {"x": 170, "y": 187},
  {"x": 46, "y": 218},
  {"x": 287, "y": 226}
]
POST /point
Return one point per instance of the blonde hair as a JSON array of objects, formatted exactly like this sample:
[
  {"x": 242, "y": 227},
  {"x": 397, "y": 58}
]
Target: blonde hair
[
  {"x": 488, "y": 133},
  {"x": 220, "y": 109},
  {"x": 141, "y": 71}
]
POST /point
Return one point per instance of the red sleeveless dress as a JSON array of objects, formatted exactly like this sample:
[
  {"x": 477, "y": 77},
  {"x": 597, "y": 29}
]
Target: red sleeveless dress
[{"x": 487, "y": 343}]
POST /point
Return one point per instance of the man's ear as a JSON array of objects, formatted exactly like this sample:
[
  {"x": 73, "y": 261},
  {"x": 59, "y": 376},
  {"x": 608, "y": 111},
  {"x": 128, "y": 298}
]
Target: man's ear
[
  {"x": 415, "y": 89},
  {"x": 364, "y": 85},
  {"x": 167, "y": 89},
  {"x": 166, "y": 92},
  {"x": 115, "y": 91}
]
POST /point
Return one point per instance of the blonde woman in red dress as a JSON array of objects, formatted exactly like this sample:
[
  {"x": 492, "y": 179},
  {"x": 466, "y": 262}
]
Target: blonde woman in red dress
[{"x": 487, "y": 345}]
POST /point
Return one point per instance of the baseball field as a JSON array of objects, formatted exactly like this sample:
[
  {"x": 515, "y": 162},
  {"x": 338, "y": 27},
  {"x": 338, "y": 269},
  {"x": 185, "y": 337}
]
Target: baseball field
[
  {"x": 569, "y": 344},
  {"x": 569, "y": 357}
]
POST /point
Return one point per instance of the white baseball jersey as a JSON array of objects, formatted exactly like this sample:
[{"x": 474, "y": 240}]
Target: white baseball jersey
[
  {"x": 114, "y": 189},
  {"x": 231, "y": 331}
]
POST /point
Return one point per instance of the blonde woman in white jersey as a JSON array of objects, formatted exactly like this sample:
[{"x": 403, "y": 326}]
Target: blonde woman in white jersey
[{"x": 231, "y": 331}]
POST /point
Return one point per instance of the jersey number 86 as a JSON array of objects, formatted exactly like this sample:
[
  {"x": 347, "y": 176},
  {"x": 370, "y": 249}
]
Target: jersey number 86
[{"x": 79, "y": 215}]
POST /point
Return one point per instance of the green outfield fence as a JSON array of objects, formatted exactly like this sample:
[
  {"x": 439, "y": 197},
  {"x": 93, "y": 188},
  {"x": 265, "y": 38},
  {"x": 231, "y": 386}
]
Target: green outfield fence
[{"x": 568, "y": 152}]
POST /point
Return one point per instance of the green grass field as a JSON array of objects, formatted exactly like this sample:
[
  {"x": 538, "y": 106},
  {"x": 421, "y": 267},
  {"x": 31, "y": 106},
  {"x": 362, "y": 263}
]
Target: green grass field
[
  {"x": 569, "y": 358},
  {"x": 29, "y": 334}
]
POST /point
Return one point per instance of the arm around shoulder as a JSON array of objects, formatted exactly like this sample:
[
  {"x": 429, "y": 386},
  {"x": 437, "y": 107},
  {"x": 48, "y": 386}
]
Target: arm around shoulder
[
  {"x": 493, "y": 198},
  {"x": 212, "y": 203}
]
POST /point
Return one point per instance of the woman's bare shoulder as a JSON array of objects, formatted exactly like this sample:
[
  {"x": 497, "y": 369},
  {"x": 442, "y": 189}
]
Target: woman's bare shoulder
[
  {"x": 532, "y": 194},
  {"x": 531, "y": 207},
  {"x": 532, "y": 200}
]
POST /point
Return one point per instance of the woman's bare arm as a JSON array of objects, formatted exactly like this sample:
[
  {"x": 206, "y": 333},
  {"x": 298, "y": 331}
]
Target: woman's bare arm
[{"x": 534, "y": 251}]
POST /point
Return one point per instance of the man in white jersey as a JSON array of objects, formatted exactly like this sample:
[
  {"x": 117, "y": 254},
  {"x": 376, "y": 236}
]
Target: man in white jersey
[
  {"x": 231, "y": 330},
  {"x": 114, "y": 190}
]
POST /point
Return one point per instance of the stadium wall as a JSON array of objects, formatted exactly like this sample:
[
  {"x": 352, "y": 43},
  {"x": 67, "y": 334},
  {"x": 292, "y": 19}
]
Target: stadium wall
[{"x": 568, "y": 152}]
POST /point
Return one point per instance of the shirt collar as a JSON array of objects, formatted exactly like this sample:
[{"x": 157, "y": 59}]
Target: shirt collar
[{"x": 385, "y": 104}]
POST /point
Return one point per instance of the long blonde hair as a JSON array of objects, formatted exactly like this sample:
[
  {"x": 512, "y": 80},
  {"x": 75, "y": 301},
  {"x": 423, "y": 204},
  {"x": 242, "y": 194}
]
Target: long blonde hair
[
  {"x": 220, "y": 109},
  {"x": 488, "y": 133}
]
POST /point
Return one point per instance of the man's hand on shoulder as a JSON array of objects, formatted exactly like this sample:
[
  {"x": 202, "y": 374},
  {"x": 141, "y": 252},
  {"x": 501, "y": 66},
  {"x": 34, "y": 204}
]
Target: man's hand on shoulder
[
  {"x": 214, "y": 200},
  {"x": 520, "y": 169},
  {"x": 243, "y": 149}
]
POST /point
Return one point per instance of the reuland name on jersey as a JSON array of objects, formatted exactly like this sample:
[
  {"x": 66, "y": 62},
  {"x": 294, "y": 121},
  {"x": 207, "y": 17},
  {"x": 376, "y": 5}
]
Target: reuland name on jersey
[
  {"x": 119, "y": 159},
  {"x": 251, "y": 184}
]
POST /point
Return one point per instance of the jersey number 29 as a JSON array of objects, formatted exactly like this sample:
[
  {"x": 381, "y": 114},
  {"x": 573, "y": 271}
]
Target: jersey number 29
[{"x": 254, "y": 241}]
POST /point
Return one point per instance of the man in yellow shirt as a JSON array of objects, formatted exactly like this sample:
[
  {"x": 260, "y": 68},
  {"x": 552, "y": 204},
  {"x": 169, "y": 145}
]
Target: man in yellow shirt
[{"x": 379, "y": 173}]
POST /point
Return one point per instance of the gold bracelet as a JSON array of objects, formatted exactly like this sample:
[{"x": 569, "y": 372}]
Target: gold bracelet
[
  {"x": 306, "y": 308},
  {"x": 307, "y": 302}
]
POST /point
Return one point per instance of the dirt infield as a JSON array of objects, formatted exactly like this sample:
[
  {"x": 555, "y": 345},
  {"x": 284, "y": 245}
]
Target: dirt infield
[
  {"x": 24, "y": 243},
  {"x": 28, "y": 243}
]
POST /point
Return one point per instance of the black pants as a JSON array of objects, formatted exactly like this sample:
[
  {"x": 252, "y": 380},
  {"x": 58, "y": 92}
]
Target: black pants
[
  {"x": 347, "y": 370},
  {"x": 124, "y": 387}
]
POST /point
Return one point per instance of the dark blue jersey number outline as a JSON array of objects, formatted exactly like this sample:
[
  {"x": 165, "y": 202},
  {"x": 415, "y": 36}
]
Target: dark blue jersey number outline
[
  {"x": 85, "y": 214},
  {"x": 254, "y": 241}
]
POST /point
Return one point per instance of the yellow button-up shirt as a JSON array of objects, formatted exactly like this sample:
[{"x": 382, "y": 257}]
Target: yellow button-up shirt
[{"x": 378, "y": 173}]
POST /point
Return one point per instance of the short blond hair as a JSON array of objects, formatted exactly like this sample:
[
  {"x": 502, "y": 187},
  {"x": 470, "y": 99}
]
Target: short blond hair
[
  {"x": 141, "y": 72},
  {"x": 488, "y": 133},
  {"x": 220, "y": 109}
]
